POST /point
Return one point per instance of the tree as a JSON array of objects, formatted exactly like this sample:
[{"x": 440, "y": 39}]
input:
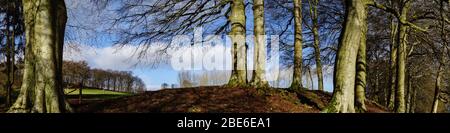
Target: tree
[
  {"x": 441, "y": 58},
  {"x": 400, "y": 47},
  {"x": 313, "y": 13},
  {"x": 400, "y": 106},
  {"x": 41, "y": 90},
  {"x": 238, "y": 52},
  {"x": 361, "y": 72},
  {"x": 12, "y": 44},
  {"x": 258, "y": 78},
  {"x": 164, "y": 86},
  {"x": 393, "y": 61},
  {"x": 343, "y": 99},
  {"x": 298, "y": 46},
  {"x": 330, "y": 17},
  {"x": 82, "y": 74},
  {"x": 78, "y": 75},
  {"x": 378, "y": 44}
]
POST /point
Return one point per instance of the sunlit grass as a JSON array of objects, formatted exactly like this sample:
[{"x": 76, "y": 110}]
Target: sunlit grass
[{"x": 93, "y": 92}]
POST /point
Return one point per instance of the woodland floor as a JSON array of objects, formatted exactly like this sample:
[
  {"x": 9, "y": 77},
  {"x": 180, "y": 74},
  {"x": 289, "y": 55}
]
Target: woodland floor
[{"x": 215, "y": 100}]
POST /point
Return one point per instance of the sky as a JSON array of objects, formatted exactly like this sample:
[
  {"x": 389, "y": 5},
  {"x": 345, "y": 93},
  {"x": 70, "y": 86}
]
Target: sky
[{"x": 85, "y": 41}]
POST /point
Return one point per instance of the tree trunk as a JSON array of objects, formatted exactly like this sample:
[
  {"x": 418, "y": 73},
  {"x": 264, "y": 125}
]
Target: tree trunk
[
  {"x": 315, "y": 29},
  {"x": 298, "y": 47},
  {"x": 318, "y": 63},
  {"x": 400, "y": 86},
  {"x": 408, "y": 94},
  {"x": 413, "y": 100},
  {"x": 9, "y": 55},
  {"x": 41, "y": 88},
  {"x": 343, "y": 99},
  {"x": 108, "y": 84},
  {"x": 377, "y": 86},
  {"x": 61, "y": 20},
  {"x": 442, "y": 58},
  {"x": 237, "y": 35},
  {"x": 361, "y": 71},
  {"x": 400, "y": 106},
  {"x": 115, "y": 84},
  {"x": 437, "y": 90},
  {"x": 310, "y": 78},
  {"x": 393, "y": 65},
  {"x": 258, "y": 78},
  {"x": 393, "y": 60},
  {"x": 80, "y": 91}
]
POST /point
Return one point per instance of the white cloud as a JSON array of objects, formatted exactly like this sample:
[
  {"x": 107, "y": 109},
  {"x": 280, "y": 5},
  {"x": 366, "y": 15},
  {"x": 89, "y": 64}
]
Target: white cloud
[{"x": 116, "y": 57}]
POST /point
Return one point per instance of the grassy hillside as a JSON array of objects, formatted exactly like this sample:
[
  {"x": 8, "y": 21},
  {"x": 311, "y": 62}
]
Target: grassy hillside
[
  {"x": 89, "y": 91},
  {"x": 218, "y": 99},
  {"x": 91, "y": 95}
]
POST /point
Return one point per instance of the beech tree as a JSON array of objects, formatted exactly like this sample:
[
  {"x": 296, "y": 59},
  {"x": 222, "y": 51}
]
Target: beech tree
[
  {"x": 352, "y": 37},
  {"x": 41, "y": 90},
  {"x": 258, "y": 78},
  {"x": 314, "y": 27},
  {"x": 400, "y": 11},
  {"x": 239, "y": 47},
  {"x": 298, "y": 46}
]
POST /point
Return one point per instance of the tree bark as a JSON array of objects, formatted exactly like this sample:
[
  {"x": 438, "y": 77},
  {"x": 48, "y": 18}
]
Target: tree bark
[
  {"x": 361, "y": 72},
  {"x": 80, "y": 93},
  {"x": 9, "y": 53},
  {"x": 41, "y": 90},
  {"x": 400, "y": 86},
  {"x": 393, "y": 65},
  {"x": 437, "y": 90},
  {"x": 393, "y": 61},
  {"x": 400, "y": 106},
  {"x": 310, "y": 78},
  {"x": 343, "y": 100},
  {"x": 440, "y": 71},
  {"x": 238, "y": 52},
  {"x": 258, "y": 78},
  {"x": 315, "y": 29},
  {"x": 408, "y": 94},
  {"x": 298, "y": 47},
  {"x": 413, "y": 100}
]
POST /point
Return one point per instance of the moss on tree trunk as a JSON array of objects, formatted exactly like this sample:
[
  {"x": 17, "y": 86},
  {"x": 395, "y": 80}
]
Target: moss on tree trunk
[
  {"x": 343, "y": 99},
  {"x": 402, "y": 36},
  {"x": 392, "y": 65},
  {"x": 41, "y": 90},
  {"x": 361, "y": 73}
]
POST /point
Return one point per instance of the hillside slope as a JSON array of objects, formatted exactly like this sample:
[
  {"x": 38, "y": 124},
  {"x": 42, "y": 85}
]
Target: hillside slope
[{"x": 217, "y": 99}]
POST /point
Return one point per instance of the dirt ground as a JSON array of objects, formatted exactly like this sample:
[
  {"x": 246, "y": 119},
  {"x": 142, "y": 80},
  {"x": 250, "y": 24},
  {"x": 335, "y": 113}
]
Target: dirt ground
[{"x": 217, "y": 100}]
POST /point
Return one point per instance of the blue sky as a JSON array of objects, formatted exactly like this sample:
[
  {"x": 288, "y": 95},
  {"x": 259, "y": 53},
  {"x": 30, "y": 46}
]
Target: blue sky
[{"x": 86, "y": 41}]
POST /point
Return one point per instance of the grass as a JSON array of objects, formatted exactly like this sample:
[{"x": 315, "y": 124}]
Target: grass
[
  {"x": 94, "y": 94},
  {"x": 87, "y": 91}
]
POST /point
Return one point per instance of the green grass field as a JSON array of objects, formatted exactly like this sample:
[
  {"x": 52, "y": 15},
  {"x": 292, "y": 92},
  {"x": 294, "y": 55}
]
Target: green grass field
[{"x": 93, "y": 92}]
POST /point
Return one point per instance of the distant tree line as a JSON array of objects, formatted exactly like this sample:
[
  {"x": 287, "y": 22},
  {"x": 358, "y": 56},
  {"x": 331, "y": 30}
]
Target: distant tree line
[{"x": 76, "y": 74}]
